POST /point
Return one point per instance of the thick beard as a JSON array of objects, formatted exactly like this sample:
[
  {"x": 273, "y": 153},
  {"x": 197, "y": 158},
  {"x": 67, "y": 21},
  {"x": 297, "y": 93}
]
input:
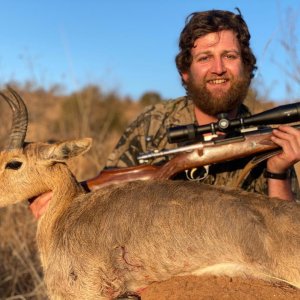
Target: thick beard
[{"x": 222, "y": 103}]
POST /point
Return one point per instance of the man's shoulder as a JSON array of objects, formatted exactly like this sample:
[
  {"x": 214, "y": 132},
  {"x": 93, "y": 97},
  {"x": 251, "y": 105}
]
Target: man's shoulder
[
  {"x": 166, "y": 105},
  {"x": 173, "y": 109}
]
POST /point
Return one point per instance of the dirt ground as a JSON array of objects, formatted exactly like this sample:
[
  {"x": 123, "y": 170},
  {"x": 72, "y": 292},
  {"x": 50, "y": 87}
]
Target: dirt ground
[{"x": 219, "y": 288}]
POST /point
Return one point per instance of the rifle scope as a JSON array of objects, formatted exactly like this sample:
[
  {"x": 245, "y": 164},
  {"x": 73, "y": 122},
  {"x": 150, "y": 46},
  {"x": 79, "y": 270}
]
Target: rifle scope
[{"x": 279, "y": 115}]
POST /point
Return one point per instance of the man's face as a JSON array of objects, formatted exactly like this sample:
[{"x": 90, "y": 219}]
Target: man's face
[{"x": 216, "y": 80}]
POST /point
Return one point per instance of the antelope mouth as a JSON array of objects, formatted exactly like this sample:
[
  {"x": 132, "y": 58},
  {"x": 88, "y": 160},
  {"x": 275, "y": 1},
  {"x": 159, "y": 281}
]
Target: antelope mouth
[{"x": 32, "y": 199}]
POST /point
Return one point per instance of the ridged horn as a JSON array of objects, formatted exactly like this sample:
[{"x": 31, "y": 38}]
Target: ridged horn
[{"x": 20, "y": 119}]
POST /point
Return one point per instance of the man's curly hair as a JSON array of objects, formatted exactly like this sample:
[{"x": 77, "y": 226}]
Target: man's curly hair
[{"x": 199, "y": 24}]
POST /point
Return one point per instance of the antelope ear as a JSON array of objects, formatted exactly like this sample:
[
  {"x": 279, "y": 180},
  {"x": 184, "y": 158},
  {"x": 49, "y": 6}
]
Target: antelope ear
[{"x": 62, "y": 151}]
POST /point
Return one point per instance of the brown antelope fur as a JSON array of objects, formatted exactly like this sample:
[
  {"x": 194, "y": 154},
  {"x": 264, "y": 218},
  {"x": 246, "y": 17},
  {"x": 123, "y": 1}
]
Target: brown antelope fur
[{"x": 120, "y": 239}]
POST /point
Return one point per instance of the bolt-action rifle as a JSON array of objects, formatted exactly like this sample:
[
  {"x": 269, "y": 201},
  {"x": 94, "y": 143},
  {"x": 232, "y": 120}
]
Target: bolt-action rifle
[{"x": 229, "y": 140}]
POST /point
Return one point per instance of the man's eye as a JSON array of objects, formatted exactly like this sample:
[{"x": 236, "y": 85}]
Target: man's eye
[
  {"x": 231, "y": 56},
  {"x": 13, "y": 165},
  {"x": 203, "y": 58}
]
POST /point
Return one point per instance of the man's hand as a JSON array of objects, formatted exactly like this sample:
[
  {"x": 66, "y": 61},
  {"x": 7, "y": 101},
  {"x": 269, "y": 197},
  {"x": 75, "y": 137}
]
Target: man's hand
[
  {"x": 288, "y": 138},
  {"x": 40, "y": 204}
]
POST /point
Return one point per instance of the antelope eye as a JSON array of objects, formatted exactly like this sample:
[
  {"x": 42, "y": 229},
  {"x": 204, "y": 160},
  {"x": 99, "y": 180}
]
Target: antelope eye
[{"x": 14, "y": 165}]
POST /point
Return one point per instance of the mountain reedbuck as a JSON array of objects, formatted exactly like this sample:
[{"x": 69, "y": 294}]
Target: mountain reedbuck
[{"x": 119, "y": 239}]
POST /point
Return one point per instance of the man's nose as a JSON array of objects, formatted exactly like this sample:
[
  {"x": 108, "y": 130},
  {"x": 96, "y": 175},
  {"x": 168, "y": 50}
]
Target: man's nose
[{"x": 218, "y": 66}]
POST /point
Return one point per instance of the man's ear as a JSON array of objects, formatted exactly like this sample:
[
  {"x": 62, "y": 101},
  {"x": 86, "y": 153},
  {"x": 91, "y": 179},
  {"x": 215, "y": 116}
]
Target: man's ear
[{"x": 185, "y": 77}]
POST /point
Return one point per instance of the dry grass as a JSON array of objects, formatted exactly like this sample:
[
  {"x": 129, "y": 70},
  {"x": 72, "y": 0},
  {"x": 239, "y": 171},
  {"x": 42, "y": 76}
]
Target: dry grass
[{"x": 20, "y": 272}]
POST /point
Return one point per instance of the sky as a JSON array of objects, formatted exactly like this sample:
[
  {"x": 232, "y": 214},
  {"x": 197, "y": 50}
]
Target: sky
[{"x": 129, "y": 46}]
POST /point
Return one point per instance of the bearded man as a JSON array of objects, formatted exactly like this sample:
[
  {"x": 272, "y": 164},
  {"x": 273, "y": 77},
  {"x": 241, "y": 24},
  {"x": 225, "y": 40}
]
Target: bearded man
[{"x": 216, "y": 65}]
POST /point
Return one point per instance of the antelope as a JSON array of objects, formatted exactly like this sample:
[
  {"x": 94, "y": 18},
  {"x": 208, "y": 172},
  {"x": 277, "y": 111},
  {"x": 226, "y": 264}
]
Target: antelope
[{"x": 118, "y": 240}]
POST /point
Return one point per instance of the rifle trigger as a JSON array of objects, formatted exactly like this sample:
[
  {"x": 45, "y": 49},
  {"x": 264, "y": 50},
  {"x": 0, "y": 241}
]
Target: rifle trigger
[{"x": 192, "y": 175}]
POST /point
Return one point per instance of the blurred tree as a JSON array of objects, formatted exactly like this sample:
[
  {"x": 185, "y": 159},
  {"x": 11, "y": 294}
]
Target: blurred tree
[
  {"x": 290, "y": 44},
  {"x": 255, "y": 103},
  {"x": 150, "y": 98}
]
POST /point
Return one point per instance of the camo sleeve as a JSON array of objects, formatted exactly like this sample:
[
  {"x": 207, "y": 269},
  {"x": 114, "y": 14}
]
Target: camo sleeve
[
  {"x": 131, "y": 143},
  {"x": 148, "y": 131}
]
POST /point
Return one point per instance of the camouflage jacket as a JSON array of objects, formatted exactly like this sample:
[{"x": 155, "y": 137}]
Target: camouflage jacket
[{"x": 148, "y": 132}]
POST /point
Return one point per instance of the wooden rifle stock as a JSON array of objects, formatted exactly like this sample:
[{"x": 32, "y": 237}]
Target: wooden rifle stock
[{"x": 207, "y": 153}]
